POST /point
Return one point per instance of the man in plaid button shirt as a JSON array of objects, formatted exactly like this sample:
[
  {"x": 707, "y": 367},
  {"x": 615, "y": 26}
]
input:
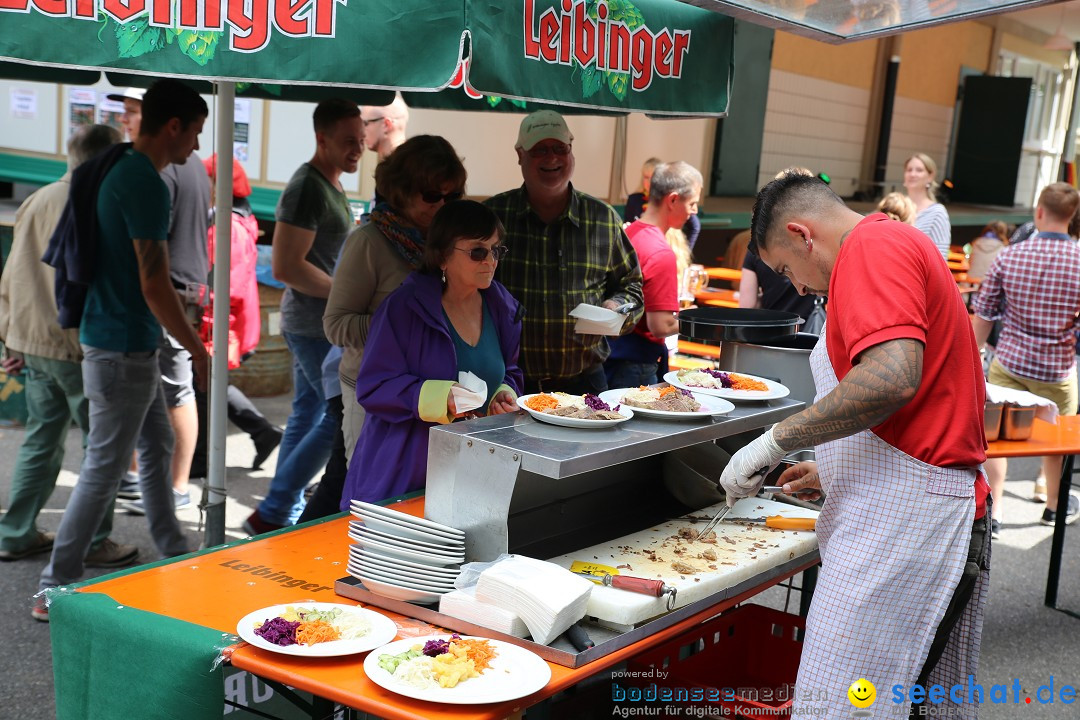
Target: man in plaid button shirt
[
  {"x": 1034, "y": 289},
  {"x": 566, "y": 248}
]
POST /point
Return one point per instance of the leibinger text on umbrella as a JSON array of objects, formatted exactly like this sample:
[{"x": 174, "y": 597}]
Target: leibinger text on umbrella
[
  {"x": 572, "y": 37},
  {"x": 249, "y": 21},
  {"x": 279, "y": 576}
]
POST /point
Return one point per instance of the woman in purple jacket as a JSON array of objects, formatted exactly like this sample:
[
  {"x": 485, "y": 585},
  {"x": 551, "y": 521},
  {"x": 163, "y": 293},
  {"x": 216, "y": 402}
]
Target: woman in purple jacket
[{"x": 448, "y": 317}]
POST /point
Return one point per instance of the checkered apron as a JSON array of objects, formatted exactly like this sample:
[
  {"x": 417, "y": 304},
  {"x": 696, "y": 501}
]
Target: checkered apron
[{"x": 893, "y": 536}]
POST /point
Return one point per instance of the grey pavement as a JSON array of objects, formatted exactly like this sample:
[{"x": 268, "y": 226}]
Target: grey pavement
[{"x": 1022, "y": 639}]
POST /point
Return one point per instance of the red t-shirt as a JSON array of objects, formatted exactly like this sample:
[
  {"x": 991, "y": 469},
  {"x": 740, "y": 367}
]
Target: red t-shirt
[
  {"x": 659, "y": 272},
  {"x": 890, "y": 283}
]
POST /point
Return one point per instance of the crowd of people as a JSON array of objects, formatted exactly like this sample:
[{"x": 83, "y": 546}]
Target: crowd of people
[{"x": 384, "y": 318}]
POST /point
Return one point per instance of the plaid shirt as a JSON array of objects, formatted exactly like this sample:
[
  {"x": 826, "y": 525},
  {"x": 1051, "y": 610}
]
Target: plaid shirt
[
  {"x": 1035, "y": 289},
  {"x": 582, "y": 257}
]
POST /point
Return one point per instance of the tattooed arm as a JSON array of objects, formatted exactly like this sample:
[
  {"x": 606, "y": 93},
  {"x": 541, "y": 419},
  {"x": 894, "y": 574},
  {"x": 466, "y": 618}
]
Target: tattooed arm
[
  {"x": 885, "y": 379},
  {"x": 165, "y": 303}
]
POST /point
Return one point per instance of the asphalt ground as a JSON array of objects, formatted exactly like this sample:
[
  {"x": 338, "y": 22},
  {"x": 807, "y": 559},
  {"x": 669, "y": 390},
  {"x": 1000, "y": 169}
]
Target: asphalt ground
[{"x": 1024, "y": 642}]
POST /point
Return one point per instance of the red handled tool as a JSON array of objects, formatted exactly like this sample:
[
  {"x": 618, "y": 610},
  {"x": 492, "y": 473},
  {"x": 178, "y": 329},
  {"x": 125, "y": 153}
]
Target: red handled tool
[{"x": 645, "y": 586}]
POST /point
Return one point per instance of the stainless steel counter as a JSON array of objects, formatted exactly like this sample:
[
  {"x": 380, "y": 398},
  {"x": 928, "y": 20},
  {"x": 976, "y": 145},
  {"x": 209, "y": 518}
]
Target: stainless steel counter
[{"x": 517, "y": 485}]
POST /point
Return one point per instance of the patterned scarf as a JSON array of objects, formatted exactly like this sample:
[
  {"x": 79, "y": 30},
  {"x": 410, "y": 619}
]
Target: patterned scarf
[{"x": 406, "y": 239}]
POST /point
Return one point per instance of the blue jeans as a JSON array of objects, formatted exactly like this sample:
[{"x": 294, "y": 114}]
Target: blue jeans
[
  {"x": 628, "y": 374},
  {"x": 309, "y": 433},
  {"x": 127, "y": 409},
  {"x": 54, "y": 397}
]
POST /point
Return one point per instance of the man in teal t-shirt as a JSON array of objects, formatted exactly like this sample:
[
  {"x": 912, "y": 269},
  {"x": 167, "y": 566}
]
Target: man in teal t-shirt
[{"x": 129, "y": 296}]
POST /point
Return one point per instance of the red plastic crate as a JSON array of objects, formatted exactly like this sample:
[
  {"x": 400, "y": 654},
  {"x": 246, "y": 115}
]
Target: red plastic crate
[{"x": 745, "y": 661}]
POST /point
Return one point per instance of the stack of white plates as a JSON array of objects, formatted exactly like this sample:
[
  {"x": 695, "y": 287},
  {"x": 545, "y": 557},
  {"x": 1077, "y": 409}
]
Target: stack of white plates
[{"x": 403, "y": 557}]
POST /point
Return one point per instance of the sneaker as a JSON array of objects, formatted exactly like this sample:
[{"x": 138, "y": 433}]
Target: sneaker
[
  {"x": 129, "y": 487},
  {"x": 135, "y": 507},
  {"x": 1049, "y": 517},
  {"x": 255, "y": 525},
  {"x": 111, "y": 555},
  {"x": 995, "y": 529},
  {"x": 40, "y": 609},
  {"x": 42, "y": 543},
  {"x": 1039, "y": 495},
  {"x": 265, "y": 443}
]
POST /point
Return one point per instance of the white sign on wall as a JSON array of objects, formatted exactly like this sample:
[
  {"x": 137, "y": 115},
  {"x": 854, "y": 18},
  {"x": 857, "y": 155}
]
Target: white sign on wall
[{"x": 24, "y": 103}]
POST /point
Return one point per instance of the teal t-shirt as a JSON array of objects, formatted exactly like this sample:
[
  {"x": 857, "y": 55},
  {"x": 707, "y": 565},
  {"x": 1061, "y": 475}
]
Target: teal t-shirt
[
  {"x": 485, "y": 360},
  {"x": 132, "y": 202}
]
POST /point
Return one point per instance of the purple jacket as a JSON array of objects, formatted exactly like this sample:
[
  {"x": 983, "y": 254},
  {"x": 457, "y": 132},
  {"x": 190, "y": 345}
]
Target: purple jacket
[{"x": 409, "y": 343}]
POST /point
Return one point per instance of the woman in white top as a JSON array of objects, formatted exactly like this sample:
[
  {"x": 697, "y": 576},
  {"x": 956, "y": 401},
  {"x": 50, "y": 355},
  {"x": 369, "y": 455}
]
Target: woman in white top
[{"x": 932, "y": 217}]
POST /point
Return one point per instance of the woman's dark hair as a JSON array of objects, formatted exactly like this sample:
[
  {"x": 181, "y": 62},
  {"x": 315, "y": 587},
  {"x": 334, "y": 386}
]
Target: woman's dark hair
[
  {"x": 458, "y": 220},
  {"x": 422, "y": 163}
]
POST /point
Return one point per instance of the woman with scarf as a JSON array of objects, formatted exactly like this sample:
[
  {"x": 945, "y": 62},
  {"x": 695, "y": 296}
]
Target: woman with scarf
[
  {"x": 448, "y": 318},
  {"x": 415, "y": 180}
]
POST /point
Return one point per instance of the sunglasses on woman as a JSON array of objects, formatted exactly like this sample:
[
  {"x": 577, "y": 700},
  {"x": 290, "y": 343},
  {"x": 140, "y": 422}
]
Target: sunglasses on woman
[
  {"x": 480, "y": 254},
  {"x": 431, "y": 197}
]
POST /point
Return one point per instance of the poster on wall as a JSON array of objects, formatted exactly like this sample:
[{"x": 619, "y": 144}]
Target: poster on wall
[
  {"x": 109, "y": 112},
  {"x": 23, "y": 103},
  {"x": 241, "y": 124},
  {"x": 82, "y": 107}
]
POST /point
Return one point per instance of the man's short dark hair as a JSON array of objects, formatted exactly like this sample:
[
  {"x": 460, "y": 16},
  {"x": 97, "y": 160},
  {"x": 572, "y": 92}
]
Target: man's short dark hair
[
  {"x": 167, "y": 99},
  {"x": 329, "y": 112},
  {"x": 790, "y": 194}
]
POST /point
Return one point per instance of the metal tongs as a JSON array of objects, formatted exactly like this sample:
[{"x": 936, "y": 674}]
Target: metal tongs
[{"x": 727, "y": 508}]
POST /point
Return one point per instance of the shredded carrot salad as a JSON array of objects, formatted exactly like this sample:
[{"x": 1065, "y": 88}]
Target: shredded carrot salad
[
  {"x": 542, "y": 402},
  {"x": 669, "y": 390},
  {"x": 316, "y": 631},
  {"x": 479, "y": 651},
  {"x": 741, "y": 382}
]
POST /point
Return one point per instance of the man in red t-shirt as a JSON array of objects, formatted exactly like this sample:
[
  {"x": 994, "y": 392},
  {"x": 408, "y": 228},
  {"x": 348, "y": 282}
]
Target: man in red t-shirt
[
  {"x": 673, "y": 197},
  {"x": 898, "y": 435}
]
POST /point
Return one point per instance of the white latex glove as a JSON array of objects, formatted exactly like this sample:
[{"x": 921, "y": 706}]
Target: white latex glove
[{"x": 745, "y": 473}]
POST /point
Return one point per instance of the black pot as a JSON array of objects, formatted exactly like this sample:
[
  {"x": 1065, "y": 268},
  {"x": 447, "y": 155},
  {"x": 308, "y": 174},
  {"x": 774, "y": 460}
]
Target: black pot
[{"x": 747, "y": 325}]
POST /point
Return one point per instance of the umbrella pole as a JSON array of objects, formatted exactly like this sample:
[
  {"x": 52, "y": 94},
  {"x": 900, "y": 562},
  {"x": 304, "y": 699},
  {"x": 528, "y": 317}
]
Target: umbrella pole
[{"x": 219, "y": 363}]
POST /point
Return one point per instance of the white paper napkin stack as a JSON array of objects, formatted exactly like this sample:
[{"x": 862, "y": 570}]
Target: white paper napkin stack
[
  {"x": 548, "y": 598},
  {"x": 463, "y": 605},
  {"x": 595, "y": 320}
]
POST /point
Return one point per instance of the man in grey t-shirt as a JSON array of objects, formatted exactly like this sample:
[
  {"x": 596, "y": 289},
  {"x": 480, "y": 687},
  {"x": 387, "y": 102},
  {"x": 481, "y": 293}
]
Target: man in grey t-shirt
[{"x": 313, "y": 218}]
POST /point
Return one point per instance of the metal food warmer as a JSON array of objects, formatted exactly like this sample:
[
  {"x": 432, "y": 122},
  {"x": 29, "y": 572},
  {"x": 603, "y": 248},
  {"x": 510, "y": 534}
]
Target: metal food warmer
[{"x": 515, "y": 485}]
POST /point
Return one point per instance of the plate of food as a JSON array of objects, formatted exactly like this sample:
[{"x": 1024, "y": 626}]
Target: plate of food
[
  {"x": 729, "y": 385},
  {"x": 667, "y": 403},
  {"x": 316, "y": 629},
  {"x": 576, "y": 411},
  {"x": 458, "y": 670}
]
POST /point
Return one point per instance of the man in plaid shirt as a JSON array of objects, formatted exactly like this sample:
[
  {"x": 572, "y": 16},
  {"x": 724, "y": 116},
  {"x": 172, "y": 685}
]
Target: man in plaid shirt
[
  {"x": 566, "y": 248},
  {"x": 1034, "y": 289}
]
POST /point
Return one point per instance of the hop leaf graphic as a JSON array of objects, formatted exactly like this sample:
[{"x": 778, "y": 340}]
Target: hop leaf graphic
[
  {"x": 138, "y": 38},
  {"x": 198, "y": 45},
  {"x": 618, "y": 84},
  {"x": 591, "y": 80}
]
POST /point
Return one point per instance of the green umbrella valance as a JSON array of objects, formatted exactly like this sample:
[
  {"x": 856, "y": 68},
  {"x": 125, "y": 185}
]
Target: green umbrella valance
[{"x": 662, "y": 57}]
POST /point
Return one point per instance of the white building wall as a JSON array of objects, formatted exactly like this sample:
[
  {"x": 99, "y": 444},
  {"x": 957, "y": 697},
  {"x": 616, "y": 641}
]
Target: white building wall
[{"x": 816, "y": 124}]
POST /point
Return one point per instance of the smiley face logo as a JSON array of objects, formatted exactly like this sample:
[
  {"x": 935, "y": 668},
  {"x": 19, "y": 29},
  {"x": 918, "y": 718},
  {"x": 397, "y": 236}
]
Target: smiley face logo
[{"x": 862, "y": 693}]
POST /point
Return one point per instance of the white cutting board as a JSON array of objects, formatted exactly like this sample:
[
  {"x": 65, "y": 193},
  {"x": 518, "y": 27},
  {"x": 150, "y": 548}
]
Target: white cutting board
[{"x": 743, "y": 550}]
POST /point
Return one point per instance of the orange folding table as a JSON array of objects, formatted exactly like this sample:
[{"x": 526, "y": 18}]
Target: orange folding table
[
  {"x": 216, "y": 588},
  {"x": 1061, "y": 438}
]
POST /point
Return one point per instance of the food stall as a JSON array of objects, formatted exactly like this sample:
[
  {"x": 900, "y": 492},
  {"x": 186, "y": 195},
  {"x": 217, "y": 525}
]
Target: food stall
[{"x": 604, "y": 485}]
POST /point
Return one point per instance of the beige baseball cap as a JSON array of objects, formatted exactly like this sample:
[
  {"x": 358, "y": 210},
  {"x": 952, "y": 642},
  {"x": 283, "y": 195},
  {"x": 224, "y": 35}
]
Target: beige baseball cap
[
  {"x": 543, "y": 125},
  {"x": 128, "y": 94}
]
